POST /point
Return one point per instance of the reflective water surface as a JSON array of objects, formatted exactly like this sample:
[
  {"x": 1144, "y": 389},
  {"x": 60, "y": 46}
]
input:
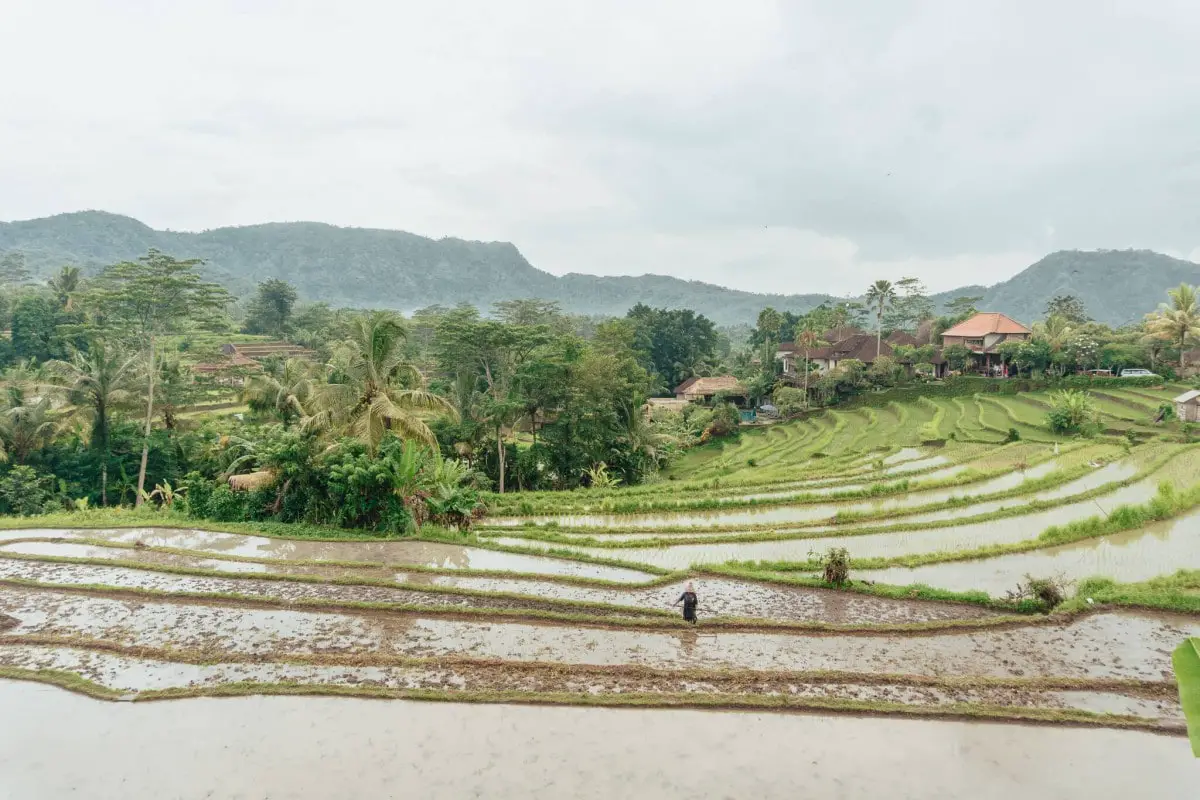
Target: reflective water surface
[{"x": 297, "y": 748}]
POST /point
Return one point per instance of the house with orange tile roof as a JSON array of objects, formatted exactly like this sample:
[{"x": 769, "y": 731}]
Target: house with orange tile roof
[{"x": 982, "y": 334}]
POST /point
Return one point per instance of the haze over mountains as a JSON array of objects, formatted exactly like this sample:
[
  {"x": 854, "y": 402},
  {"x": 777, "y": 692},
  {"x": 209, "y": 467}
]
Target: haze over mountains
[{"x": 394, "y": 269}]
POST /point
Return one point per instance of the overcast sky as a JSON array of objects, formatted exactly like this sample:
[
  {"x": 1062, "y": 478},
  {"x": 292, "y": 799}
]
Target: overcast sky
[{"x": 792, "y": 147}]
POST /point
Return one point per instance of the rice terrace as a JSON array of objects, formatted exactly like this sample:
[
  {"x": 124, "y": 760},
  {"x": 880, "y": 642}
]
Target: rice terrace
[
  {"x": 538, "y": 401},
  {"x": 933, "y": 513}
]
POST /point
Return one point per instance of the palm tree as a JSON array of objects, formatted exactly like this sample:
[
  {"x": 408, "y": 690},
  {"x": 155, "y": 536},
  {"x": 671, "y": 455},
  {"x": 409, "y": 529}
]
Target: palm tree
[
  {"x": 96, "y": 384},
  {"x": 1056, "y": 331},
  {"x": 281, "y": 390},
  {"x": 27, "y": 427},
  {"x": 65, "y": 284},
  {"x": 1177, "y": 322},
  {"x": 806, "y": 340},
  {"x": 370, "y": 391},
  {"x": 881, "y": 295},
  {"x": 638, "y": 435}
]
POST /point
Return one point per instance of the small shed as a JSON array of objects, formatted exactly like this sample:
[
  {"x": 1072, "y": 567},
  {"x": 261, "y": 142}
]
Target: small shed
[{"x": 1187, "y": 406}]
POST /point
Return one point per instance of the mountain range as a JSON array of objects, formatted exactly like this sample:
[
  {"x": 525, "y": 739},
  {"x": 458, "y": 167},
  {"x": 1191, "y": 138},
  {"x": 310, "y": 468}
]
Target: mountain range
[{"x": 393, "y": 269}]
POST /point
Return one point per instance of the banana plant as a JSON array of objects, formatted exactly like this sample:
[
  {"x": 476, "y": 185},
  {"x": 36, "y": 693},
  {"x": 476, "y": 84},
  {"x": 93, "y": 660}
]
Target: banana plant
[{"x": 1186, "y": 660}]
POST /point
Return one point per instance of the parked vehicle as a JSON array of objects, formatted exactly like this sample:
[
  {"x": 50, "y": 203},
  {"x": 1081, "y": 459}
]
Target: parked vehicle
[{"x": 1138, "y": 373}]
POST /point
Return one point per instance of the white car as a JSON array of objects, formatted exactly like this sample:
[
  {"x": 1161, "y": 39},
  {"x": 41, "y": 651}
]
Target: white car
[{"x": 1138, "y": 373}]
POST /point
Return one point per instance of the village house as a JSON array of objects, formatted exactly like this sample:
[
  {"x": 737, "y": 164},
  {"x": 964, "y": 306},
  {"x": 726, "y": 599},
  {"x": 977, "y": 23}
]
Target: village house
[
  {"x": 703, "y": 390},
  {"x": 983, "y": 334},
  {"x": 855, "y": 344}
]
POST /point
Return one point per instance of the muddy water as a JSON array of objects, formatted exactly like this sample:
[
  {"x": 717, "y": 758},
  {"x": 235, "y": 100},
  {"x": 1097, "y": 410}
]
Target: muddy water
[
  {"x": 134, "y": 675},
  {"x": 412, "y": 594},
  {"x": 318, "y": 748},
  {"x": 430, "y": 554},
  {"x": 957, "y": 537},
  {"x": 1103, "y": 645},
  {"x": 1159, "y": 549},
  {"x": 720, "y": 597}
]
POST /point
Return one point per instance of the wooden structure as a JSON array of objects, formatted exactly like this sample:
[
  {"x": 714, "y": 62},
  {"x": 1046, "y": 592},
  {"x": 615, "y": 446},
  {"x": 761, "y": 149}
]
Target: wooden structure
[{"x": 1187, "y": 406}]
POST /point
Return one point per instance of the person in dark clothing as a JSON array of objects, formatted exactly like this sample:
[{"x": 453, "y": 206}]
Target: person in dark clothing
[{"x": 690, "y": 601}]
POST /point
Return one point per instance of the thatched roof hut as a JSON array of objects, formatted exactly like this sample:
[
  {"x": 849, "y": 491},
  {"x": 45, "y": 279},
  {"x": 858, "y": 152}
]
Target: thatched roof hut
[{"x": 251, "y": 481}]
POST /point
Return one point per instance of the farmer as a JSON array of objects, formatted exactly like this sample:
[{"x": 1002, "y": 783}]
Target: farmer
[{"x": 689, "y": 600}]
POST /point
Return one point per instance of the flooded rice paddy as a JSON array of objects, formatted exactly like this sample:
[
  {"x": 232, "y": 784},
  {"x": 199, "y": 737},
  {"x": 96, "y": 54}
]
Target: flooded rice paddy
[
  {"x": 1133, "y": 556},
  {"x": 1005, "y": 530},
  {"x": 1103, "y": 645},
  {"x": 294, "y": 747},
  {"x": 721, "y": 597},
  {"x": 428, "y": 554}
]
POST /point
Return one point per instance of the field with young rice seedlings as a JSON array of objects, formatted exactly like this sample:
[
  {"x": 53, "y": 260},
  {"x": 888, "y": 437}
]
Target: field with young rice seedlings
[{"x": 939, "y": 557}]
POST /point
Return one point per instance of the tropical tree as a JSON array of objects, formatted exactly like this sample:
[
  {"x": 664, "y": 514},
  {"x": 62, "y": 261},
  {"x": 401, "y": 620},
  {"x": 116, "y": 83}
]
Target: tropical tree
[
  {"x": 372, "y": 388},
  {"x": 148, "y": 299},
  {"x": 1177, "y": 322},
  {"x": 64, "y": 285},
  {"x": 879, "y": 297},
  {"x": 26, "y": 427},
  {"x": 1057, "y": 332},
  {"x": 97, "y": 383},
  {"x": 281, "y": 390},
  {"x": 271, "y": 309},
  {"x": 806, "y": 339}
]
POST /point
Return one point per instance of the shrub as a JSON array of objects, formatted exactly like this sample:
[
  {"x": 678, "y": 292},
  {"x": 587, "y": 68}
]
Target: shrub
[
  {"x": 226, "y": 505},
  {"x": 788, "y": 400},
  {"x": 1014, "y": 435},
  {"x": 1047, "y": 592},
  {"x": 725, "y": 420},
  {"x": 26, "y": 492},
  {"x": 835, "y": 565},
  {"x": 1072, "y": 411}
]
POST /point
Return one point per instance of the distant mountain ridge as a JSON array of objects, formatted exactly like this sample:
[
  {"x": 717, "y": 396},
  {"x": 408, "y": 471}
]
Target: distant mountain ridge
[{"x": 393, "y": 269}]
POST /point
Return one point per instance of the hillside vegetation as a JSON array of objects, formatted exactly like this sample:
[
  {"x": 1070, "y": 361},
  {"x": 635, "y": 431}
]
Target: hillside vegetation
[{"x": 383, "y": 268}]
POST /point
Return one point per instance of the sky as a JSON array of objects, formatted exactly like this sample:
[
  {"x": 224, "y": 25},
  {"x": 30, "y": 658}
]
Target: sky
[{"x": 771, "y": 146}]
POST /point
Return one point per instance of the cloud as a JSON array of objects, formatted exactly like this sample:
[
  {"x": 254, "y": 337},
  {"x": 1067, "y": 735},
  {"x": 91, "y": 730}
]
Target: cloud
[{"x": 771, "y": 146}]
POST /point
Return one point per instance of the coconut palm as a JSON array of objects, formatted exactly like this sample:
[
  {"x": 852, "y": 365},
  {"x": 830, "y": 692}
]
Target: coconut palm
[
  {"x": 881, "y": 295},
  {"x": 282, "y": 389},
  {"x": 807, "y": 340},
  {"x": 1177, "y": 322},
  {"x": 1057, "y": 332},
  {"x": 65, "y": 285},
  {"x": 638, "y": 434},
  {"x": 27, "y": 427},
  {"x": 372, "y": 388},
  {"x": 96, "y": 383}
]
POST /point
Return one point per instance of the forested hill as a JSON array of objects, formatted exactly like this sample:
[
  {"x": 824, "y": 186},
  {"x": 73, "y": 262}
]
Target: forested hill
[
  {"x": 393, "y": 269},
  {"x": 1117, "y": 286},
  {"x": 372, "y": 268}
]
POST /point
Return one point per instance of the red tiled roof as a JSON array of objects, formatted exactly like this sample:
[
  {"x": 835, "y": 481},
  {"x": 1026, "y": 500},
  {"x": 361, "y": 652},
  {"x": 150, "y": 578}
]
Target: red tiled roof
[{"x": 985, "y": 323}]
